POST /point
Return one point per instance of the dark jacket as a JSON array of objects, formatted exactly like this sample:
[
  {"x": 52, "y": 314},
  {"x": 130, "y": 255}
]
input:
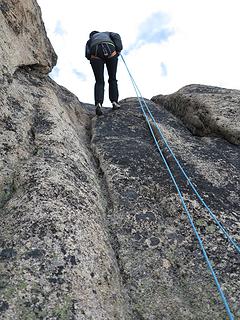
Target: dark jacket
[{"x": 108, "y": 37}]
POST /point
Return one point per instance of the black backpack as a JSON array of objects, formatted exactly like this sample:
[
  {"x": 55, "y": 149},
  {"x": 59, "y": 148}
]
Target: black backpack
[{"x": 104, "y": 50}]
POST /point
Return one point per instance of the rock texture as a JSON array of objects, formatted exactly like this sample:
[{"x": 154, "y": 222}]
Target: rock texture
[
  {"x": 91, "y": 223},
  {"x": 206, "y": 110},
  {"x": 56, "y": 261},
  {"x": 23, "y": 38},
  {"x": 160, "y": 261}
]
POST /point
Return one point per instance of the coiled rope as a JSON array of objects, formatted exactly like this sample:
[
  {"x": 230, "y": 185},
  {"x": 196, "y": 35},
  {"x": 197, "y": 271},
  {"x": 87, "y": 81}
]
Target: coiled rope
[{"x": 143, "y": 104}]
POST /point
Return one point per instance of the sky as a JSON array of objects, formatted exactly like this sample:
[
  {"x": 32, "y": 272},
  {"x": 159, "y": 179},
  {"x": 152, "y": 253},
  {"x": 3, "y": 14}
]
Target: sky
[{"x": 167, "y": 44}]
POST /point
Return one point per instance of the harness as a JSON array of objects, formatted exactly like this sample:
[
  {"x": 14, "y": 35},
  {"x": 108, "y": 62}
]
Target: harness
[{"x": 104, "y": 50}]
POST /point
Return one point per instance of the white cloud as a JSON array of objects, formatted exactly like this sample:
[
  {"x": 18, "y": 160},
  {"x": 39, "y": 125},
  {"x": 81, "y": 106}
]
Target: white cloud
[
  {"x": 203, "y": 46},
  {"x": 58, "y": 29},
  {"x": 163, "y": 69},
  {"x": 152, "y": 30}
]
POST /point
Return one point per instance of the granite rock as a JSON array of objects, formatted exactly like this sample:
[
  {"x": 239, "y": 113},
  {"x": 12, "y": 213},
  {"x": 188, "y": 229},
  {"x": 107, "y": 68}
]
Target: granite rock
[
  {"x": 92, "y": 226},
  {"x": 160, "y": 260},
  {"x": 206, "y": 110},
  {"x": 23, "y": 39}
]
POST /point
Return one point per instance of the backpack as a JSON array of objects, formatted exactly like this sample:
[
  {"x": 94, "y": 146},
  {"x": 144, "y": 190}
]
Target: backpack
[{"x": 104, "y": 50}]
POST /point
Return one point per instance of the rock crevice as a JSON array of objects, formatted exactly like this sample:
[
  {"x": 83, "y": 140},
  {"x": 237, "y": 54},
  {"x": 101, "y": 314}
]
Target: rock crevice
[
  {"x": 53, "y": 227},
  {"x": 107, "y": 197}
]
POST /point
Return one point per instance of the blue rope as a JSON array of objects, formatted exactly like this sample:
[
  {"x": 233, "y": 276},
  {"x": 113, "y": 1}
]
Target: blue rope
[
  {"x": 212, "y": 215},
  {"x": 140, "y": 99}
]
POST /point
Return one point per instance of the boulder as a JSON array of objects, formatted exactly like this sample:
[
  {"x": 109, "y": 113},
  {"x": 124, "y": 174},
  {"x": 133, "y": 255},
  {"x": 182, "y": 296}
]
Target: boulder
[
  {"x": 206, "y": 110},
  {"x": 23, "y": 39}
]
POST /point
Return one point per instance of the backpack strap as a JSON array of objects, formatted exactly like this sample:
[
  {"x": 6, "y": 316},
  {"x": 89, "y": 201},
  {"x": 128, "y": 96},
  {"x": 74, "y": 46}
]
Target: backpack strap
[
  {"x": 106, "y": 49},
  {"x": 103, "y": 50}
]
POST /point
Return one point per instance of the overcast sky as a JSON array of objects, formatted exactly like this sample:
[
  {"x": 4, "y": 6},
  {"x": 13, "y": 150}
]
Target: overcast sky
[{"x": 167, "y": 43}]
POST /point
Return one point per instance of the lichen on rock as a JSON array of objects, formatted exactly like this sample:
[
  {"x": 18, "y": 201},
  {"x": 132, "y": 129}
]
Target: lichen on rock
[
  {"x": 206, "y": 110},
  {"x": 91, "y": 224}
]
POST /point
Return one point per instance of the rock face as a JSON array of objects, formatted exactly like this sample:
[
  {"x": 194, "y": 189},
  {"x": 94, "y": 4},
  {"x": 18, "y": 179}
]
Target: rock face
[
  {"x": 91, "y": 224},
  {"x": 206, "y": 110},
  {"x": 159, "y": 258},
  {"x": 56, "y": 260},
  {"x": 23, "y": 38}
]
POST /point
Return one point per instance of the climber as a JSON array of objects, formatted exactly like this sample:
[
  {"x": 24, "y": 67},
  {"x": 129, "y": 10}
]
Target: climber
[{"x": 104, "y": 48}]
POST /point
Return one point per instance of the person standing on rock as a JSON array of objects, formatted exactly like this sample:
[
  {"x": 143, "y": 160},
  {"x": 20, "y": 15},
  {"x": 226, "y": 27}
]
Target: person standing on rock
[{"x": 104, "y": 48}]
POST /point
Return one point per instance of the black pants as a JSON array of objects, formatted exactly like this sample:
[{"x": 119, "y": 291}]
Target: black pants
[{"x": 98, "y": 70}]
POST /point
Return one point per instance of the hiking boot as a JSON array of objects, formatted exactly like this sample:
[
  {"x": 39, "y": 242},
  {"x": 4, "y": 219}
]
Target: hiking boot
[
  {"x": 98, "y": 109},
  {"x": 115, "y": 105}
]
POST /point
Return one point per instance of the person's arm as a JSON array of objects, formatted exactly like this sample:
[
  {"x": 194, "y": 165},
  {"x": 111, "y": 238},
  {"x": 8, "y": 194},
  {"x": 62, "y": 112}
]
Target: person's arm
[
  {"x": 117, "y": 41},
  {"x": 87, "y": 50}
]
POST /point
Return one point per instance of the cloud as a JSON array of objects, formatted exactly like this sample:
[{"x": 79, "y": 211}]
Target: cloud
[
  {"x": 55, "y": 73},
  {"x": 163, "y": 69},
  {"x": 80, "y": 75},
  {"x": 154, "y": 29},
  {"x": 58, "y": 29},
  {"x": 172, "y": 43}
]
